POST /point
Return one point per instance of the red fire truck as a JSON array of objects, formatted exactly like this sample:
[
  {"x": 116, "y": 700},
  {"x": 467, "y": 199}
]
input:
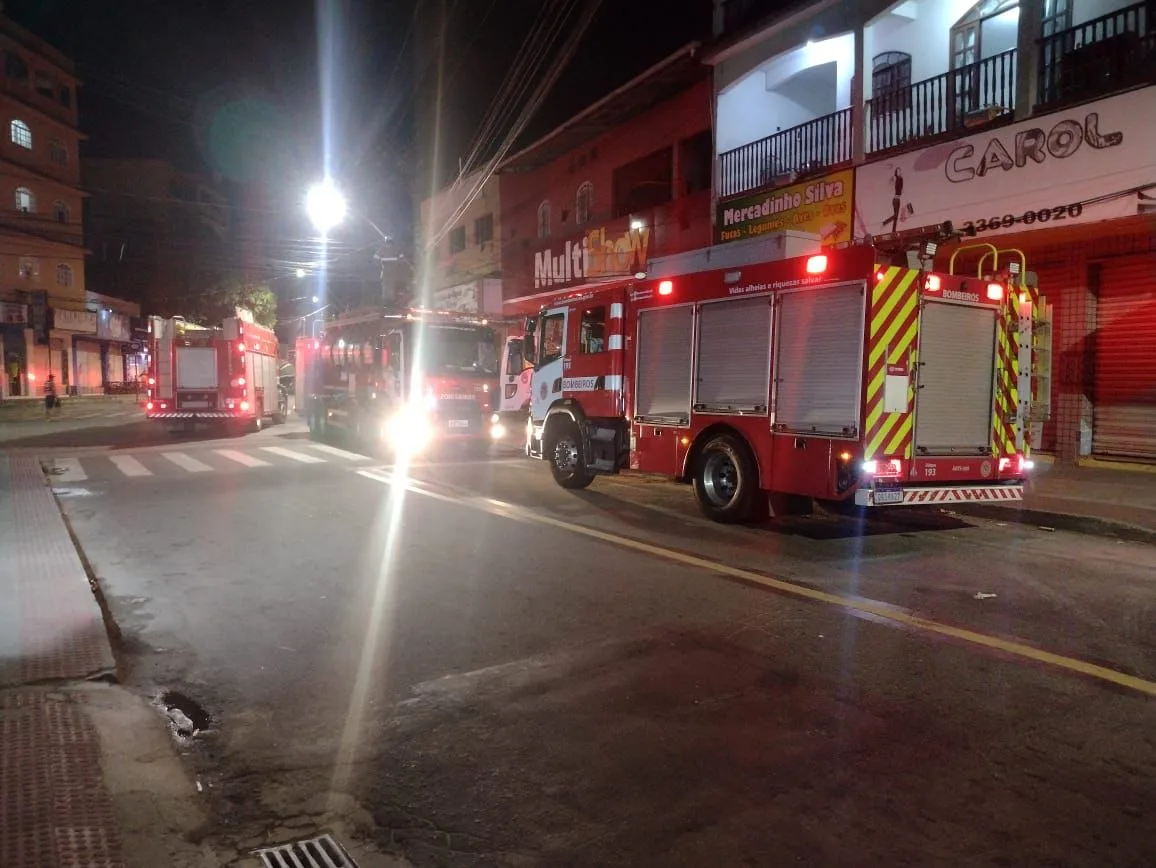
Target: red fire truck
[
  {"x": 405, "y": 379},
  {"x": 773, "y": 384},
  {"x": 225, "y": 374}
]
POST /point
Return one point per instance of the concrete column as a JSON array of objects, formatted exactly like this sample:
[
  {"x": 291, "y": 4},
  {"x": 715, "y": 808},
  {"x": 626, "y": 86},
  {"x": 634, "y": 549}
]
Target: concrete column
[
  {"x": 858, "y": 109},
  {"x": 1028, "y": 57}
]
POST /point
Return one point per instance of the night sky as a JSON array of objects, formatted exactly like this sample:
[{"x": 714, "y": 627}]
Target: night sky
[{"x": 233, "y": 87}]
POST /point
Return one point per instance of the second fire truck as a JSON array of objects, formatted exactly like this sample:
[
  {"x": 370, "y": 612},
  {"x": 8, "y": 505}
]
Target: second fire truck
[
  {"x": 772, "y": 384},
  {"x": 405, "y": 380}
]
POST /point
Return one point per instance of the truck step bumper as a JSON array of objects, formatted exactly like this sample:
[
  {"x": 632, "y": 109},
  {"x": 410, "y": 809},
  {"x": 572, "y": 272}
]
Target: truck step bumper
[
  {"x": 927, "y": 495},
  {"x": 192, "y": 414}
]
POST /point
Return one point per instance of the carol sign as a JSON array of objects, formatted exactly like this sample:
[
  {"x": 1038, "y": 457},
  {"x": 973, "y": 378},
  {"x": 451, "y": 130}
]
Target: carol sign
[{"x": 1094, "y": 162}]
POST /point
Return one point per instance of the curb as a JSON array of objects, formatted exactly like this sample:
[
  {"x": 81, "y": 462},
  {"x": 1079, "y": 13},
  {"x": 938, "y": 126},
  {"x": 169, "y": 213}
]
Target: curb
[{"x": 1082, "y": 524}]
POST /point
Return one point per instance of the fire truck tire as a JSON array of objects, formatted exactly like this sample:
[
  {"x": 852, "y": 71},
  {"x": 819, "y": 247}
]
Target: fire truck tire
[
  {"x": 564, "y": 452},
  {"x": 726, "y": 482}
]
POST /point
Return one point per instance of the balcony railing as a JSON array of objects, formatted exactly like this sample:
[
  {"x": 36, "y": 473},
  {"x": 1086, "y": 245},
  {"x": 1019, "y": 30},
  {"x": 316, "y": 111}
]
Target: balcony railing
[
  {"x": 1109, "y": 53},
  {"x": 810, "y": 147},
  {"x": 969, "y": 96}
]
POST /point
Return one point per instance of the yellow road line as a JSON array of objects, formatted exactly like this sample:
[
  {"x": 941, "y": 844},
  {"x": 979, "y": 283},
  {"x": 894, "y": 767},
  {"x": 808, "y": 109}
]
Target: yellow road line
[{"x": 876, "y": 609}]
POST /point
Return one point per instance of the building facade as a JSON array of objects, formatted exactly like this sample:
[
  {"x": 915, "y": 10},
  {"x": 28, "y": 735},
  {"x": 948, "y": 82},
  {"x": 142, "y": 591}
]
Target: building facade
[
  {"x": 1027, "y": 125},
  {"x": 42, "y": 289},
  {"x": 460, "y": 266},
  {"x": 625, "y": 180}
]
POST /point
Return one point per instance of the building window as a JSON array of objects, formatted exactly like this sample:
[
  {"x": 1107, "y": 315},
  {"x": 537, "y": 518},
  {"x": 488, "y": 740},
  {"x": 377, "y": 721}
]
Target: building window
[
  {"x": 890, "y": 82},
  {"x": 44, "y": 85},
  {"x": 644, "y": 184},
  {"x": 544, "y": 220},
  {"x": 584, "y": 203},
  {"x": 25, "y": 201},
  {"x": 484, "y": 229},
  {"x": 29, "y": 267},
  {"x": 60, "y": 211},
  {"x": 696, "y": 160},
  {"x": 21, "y": 134},
  {"x": 458, "y": 239},
  {"x": 64, "y": 275},
  {"x": 58, "y": 151},
  {"x": 592, "y": 330},
  {"x": 15, "y": 67},
  {"x": 968, "y": 32}
]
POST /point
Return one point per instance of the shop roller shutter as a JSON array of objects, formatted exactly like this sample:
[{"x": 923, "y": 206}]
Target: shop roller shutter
[
  {"x": 1124, "y": 400},
  {"x": 818, "y": 361},
  {"x": 954, "y": 397},
  {"x": 734, "y": 355},
  {"x": 665, "y": 338}
]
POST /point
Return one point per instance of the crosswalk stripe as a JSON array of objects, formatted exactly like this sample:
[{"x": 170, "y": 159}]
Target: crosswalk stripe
[
  {"x": 72, "y": 471},
  {"x": 296, "y": 456},
  {"x": 340, "y": 453},
  {"x": 129, "y": 466},
  {"x": 241, "y": 458},
  {"x": 187, "y": 462}
]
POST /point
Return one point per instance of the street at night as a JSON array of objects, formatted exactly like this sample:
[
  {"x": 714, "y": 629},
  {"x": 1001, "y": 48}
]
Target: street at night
[{"x": 497, "y": 671}]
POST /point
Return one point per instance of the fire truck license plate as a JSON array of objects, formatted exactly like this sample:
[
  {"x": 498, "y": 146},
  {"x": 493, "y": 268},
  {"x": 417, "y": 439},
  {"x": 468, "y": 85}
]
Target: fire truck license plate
[
  {"x": 888, "y": 495},
  {"x": 459, "y": 423}
]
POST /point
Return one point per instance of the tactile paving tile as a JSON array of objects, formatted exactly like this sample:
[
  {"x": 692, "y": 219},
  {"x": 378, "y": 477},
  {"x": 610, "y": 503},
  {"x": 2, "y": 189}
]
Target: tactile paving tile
[{"x": 54, "y": 809}]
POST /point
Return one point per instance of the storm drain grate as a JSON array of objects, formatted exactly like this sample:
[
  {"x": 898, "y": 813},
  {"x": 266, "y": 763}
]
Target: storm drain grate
[{"x": 320, "y": 852}]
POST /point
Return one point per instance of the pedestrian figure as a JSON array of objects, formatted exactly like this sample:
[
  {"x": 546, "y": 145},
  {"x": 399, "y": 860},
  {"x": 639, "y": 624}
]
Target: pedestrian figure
[{"x": 50, "y": 402}]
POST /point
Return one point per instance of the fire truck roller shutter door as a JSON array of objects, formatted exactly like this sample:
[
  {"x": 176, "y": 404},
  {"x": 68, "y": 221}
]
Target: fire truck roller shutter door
[
  {"x": 818, "y": 363},
  {"x": 734, "y": 355},
  {"x": 1124, "y": 415},
  {"x": 664, "y": 364},
  {"x": 953, "y": 396}
]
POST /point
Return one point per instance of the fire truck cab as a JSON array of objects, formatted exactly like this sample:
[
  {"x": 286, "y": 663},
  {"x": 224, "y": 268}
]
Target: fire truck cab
[
  {"x": 404, "y": 380},
  {"x": 769, "y": 382}
]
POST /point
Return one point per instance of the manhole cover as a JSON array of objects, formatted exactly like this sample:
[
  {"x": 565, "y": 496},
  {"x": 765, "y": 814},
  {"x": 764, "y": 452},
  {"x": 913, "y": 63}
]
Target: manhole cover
[{"x": 320, "y": 852}]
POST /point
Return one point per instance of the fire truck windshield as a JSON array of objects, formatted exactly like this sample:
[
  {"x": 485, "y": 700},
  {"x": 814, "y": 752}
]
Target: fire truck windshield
[{"x": 457, "y": 349}]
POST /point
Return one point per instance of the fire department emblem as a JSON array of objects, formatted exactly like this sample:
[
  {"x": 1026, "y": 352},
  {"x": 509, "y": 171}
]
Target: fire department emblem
[
  {"x": 985, "y": 469},
  {"x": 544, "y": 392}
]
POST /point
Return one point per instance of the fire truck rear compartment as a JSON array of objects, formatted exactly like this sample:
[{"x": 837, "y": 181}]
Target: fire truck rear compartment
[{"x": 956, "y": 378}]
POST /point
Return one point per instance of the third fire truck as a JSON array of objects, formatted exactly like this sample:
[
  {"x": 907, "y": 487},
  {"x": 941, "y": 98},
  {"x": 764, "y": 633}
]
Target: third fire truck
[{"x": 772, "y": 384}]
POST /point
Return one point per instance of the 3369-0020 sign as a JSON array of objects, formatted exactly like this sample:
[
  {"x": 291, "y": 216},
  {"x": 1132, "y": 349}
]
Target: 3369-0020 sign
[{"x": 1027, "y": 218}]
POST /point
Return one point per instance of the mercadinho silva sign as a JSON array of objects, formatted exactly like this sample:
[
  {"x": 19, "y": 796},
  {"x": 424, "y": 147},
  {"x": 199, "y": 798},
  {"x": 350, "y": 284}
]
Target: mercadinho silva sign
[{"x": 821, "y": 207}]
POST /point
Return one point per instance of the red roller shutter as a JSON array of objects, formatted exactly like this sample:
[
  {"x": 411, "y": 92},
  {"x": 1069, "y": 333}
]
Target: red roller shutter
[{"x": 1124, "y": 420}]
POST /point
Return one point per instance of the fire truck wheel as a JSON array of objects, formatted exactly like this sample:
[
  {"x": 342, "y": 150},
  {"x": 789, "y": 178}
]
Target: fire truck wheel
[
  {"x": 567, "y": 463},
  {"x": 726, "y": 481}
]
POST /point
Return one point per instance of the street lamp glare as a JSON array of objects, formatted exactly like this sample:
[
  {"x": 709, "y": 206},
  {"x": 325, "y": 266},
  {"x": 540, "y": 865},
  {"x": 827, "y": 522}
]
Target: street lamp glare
[
  {"x": 325, "y": 205},
  {"x": 300, "y": 272}
]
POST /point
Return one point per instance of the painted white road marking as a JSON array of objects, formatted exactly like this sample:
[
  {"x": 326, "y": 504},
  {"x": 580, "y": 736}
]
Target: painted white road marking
[
  {"x": 129, "y": 466},
  {"x": 340, "y": 453},
  {"x": 187, "y": 462},
  {"x": 72, "y": 471},
  {"x": 296, "y": 456},
  {"x": 242, "y": 458}
]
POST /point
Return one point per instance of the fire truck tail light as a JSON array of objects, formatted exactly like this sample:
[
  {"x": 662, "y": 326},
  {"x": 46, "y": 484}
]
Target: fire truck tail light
[
  {"x": 244, "y": 406},
  {"x": 149, "y": 405},
  {"x": 164, "y": 406},
  {"x": 870, "y": 466},
  {"x": 994, "y": 291},
  {"x": 152, "y": 381},
  {"x": 240, "y": 348},
  {"x": 240, "y": 381},
  {"x": 816, "y": 264},
  {"x": 665, "y": 287},
  {"x": 933, "y": 283}
]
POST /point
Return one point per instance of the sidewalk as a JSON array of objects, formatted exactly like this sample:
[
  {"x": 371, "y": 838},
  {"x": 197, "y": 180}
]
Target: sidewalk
[
  {"x": 1117, "y": 500},
  {"x": 54, "y": 807},
  {"x": 78, "y": 407}
]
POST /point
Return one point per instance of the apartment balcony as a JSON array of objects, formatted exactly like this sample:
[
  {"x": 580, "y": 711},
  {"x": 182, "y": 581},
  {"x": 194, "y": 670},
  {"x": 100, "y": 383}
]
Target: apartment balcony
[
  {"x": 809, "y": 148},
  {"x": 952, "y": 103},
  {"x": 1114, "y": 52}
]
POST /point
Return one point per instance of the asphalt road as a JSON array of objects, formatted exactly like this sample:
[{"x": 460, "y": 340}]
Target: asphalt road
[{"x": 499, "y": 672}]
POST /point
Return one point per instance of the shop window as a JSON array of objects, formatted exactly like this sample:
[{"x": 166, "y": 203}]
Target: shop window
[
  {"x": 25, "y": 201},
  {"x": 592, "y": 330},
  {"x": 584, "y": 203},
  {"x": 544, "y": 220},
  {"x": 457, "y": 240},
  {"x": 696, "y": 159},
  {"x": 645, "y": 183},
  {"x": 64, "y": 275},
  {"x": 20, "y": 133},
  {"x": 484, "y": 229},
  {"x": 891, "y": 82}
]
